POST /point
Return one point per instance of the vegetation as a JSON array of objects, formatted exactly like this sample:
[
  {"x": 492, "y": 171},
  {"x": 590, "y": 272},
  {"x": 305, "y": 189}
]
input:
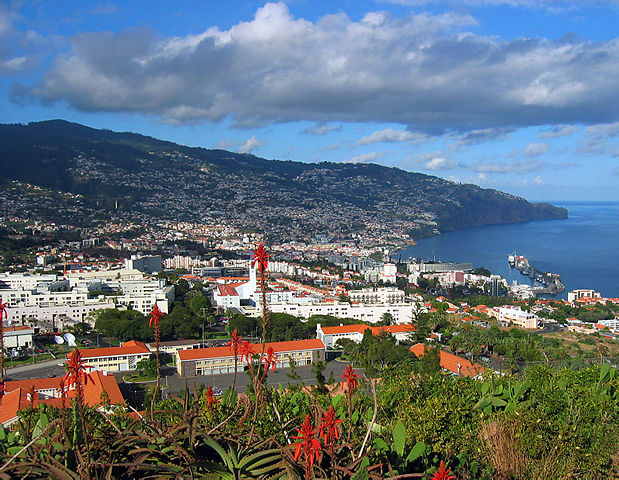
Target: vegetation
[{"x": 547, "y": 424}]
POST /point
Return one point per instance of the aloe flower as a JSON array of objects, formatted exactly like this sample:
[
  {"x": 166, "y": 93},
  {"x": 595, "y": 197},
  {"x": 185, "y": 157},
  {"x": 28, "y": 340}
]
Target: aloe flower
[
  {"x": 350, "y": 377},
  {"x": 76, "y": 370},
  {"x": 246, "y": 351},
  {"x": 235, "y": 341},
  {"x": 329, "y": 431},
  {"x": 76, "y": 375},
  {"x": 442, "y": 473},
  {"x": 309, "y": 446},
  {"x": 210, "y": 398},
  {"x": 269, "y": 360},
  {"x": 261, "y": 258}
]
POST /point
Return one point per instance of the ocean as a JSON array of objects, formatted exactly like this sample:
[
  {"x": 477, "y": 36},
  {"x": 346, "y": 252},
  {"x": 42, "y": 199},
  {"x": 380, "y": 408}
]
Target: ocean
[{"x": 583, "y": 249}]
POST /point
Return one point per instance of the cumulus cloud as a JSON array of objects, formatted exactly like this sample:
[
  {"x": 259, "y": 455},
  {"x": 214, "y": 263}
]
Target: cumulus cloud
[
  {"x": 251, "y": 144},
  {"x": 535, "y": 149},
  {"x": 365, "y": 157},
  {"x": 321, "y": 129},
  {"x": 559, "y": 131},
  {"x": 440, "y": 163},
  {"x": 478, "y": 136},
  {"x": 601, "y": 140},
  {"x": 425, "y": 71},
  {"x": 538, "y": 181},
  {"x": 389, "y": 135}
]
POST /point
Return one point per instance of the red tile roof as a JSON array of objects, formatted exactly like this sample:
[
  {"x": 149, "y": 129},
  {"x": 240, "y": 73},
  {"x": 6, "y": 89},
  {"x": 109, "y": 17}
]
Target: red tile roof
[
  {"x": 360, "y": 328},
  {"x": 16, "y": 329},
  {"x": 227, "y": 291},
  {"x": 451, "y": 362},
  {"x": 215, "y": 352},
  {"x": 128, "y": 348},
  {"x": 17, "y": 399}
]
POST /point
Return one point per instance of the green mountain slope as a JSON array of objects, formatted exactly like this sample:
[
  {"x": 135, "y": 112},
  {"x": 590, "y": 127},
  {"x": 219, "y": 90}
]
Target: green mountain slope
[{"x": 147, "y": 178}]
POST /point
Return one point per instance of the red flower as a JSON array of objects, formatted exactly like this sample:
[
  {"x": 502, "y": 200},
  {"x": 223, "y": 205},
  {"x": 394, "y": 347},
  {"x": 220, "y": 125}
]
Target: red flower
[
  {"x": 269, "y": 360},
  {"x": 442, "y": 473},
  {"x": 209, "y": 396},
  {"x": 309, "y": 446},
  {"x": 2, "y": 389},
  {"x": 234, "y": 341},
  {"x": 328, "y": 428},
  {"x": 260, "y": 257},
  {"x": 76, "y": 370},
  {"x": 3, "y": 312},
  {"x": 246, "y": 350},
  {"x": 155, "y": 315},
  {"x": 350, "y": 377}
]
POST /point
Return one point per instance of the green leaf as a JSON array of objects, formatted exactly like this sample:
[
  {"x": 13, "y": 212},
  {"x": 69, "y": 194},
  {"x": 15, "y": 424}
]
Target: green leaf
[
  {"x": 416, "y": 452},
  {"x": 337, "y": 399},
  {"x": 13, "y": 450},
  {"x": 41, "y": 424},
  {"x": 604, "y": 371},
  {"x": 354, "y": 417},
  {"x": 381, "y": 445},
  {"x": 484, "y": 388},
  {"x": 362, "y": 470},
  {"x": 497, "y": 402},
  {"x": 482, "y": 403},
  {"x": 399, "y": 439},
  {"x": 2, "y": 434},
  {"x": 474, "y": 468}
]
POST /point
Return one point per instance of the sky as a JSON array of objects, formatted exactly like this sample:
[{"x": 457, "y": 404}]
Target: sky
[{"x": 517, "y": 95}]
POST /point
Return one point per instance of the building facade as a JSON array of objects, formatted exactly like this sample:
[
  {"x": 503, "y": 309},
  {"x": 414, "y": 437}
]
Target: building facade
[{"x": 220, "y": 360}]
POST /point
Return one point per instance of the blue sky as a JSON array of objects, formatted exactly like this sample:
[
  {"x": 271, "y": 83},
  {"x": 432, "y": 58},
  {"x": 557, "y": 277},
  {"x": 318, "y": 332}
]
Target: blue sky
[{"x": 517, "y": 95}]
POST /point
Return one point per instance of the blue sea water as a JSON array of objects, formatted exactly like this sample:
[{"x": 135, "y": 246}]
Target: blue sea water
[{"x": 583, "y": 249}]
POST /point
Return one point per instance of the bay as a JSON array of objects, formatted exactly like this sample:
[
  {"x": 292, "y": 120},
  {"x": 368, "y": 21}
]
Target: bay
[{"x": 583, "y": 249}]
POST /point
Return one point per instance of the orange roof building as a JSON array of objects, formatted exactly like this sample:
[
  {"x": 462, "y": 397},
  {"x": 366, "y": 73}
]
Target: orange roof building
[
  {"x": 330, "y": 335},
  {"x": 220, "y": 360},
  {"x": 452, "y": 363},
  {"x": 48, "y": 391}
]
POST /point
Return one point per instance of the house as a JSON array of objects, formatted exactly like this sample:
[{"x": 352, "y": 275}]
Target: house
[
  {"x": 219, "y": 360},
  {"x": 173, "y": 346},
  {"x": 330, "y": 335},
  {"x": 116, "y": 359},
  {"x": 101, "y": 389},
  {"x": 452, "y": 363},
  {"x": 17, "y": 337}
]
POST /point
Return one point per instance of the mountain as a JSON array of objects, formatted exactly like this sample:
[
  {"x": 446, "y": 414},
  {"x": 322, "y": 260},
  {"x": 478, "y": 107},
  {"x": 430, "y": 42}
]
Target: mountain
[{"x": 93, "y": 173}]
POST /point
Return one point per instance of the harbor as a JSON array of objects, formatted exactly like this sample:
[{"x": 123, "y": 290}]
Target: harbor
[{"x": 551, "y": 282}]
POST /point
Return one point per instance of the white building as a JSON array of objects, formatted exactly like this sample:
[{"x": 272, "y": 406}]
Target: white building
[
  {"x": 377, "y": 295},
  {"x": 330, "y": 335},
  {"x": 401, "y": 312},
  {"x": 390, "y": 271},
  {"x": 151, "y": 264},
  {"x": 17, "y": 337},
  {"x": 116, "y": 359},
  {"x": 59, "y": 315},
  {"x": 582, "y": 293},
  {"x": 517, "y": 316}
]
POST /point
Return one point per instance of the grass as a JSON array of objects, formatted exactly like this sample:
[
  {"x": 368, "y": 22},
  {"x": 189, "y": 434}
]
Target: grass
[{"x": 26, "y": 360}]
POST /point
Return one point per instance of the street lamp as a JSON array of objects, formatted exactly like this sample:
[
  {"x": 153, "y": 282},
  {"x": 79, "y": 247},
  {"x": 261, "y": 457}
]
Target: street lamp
[{"x": 98, "y": 339}]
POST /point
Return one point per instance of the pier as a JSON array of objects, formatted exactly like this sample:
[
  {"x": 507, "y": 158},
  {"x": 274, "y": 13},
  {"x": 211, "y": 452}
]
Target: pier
[{"x": 551, "y": 282}]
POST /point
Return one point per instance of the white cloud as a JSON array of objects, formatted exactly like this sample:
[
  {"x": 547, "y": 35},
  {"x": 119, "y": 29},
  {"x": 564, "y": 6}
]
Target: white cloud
[
  {"x": 517, "y": 166},
  {"x": 224, "y": 144},
  {"x": 603, "y": 130},
  {"x": 365, "y": 157},
  {"x": 251, "y": 144},
  {"x": 535, "y": 149},
  {"x": 559, "y": 131},
  {"x": 322, "y": 129},
  {"x": 390, "y": 135},
  {"x": 440, "y": 163},
  {"x": 384, "y": 69},
  {"x": 538, "y": 181}
]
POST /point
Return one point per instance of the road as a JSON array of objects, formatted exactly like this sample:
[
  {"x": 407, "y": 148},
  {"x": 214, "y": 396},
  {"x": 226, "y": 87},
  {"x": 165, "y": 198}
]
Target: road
[{"x": 46, "y": 369}]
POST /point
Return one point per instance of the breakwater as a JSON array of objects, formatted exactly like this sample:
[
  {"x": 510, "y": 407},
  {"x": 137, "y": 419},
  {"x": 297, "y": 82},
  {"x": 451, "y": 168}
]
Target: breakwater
[{"x": 551, "y": 282}]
